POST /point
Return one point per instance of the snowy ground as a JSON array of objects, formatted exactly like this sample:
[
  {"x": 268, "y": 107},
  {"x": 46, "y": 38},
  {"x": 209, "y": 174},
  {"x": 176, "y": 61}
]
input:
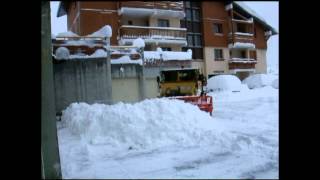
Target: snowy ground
[{"x": 240, "y": 140}]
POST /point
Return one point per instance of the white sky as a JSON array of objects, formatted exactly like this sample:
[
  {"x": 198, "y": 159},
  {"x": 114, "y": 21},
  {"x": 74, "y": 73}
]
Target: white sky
[{"x": 268, "y": 10}]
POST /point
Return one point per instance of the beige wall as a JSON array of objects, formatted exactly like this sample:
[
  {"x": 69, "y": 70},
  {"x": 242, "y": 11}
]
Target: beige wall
[
  {"x": 151, "y": 88},
  {"x": 198, "y": 65},
  {"x": 173, "y": 22},
  {"x": 126, "y": 90},
  {"x": 261, "y": 66},
  {"x": 211, "y": 64}
]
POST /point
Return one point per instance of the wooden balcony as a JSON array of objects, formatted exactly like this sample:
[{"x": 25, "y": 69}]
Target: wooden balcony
[
  {"x": 241, "y": 65},
  {"x": 243, "y": 32},
  {"x": 176, "y": 35},
  {"x": 165, "y": 5}
]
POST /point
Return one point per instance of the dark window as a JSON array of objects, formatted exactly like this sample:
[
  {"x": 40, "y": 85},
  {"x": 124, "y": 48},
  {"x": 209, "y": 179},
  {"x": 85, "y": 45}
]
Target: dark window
[
  {"x": 130, "y": 22},
  {"x": 189, "y": 26},
  {"x": 218, "y": 56},
  {"x": 188, "y": 12},
  {"x": 196, "y": 15},
  {"x": 190, "y": 40},
  {"x": 197, "y": 40},
  {"x": 196, "y": 27},
  {"x": 163, "y": 23},
  {"x": 183, "y": 24},
  {"x": 166, "y": 48},
  {"x": 243, "y": 54},
  {"x": 241, "y": 28},
  {"x": 195, "y": 4},
  {"x": 217, "y": 28},
  {"x": 197, "y": 53},
  {"x": 187, "y": 4}
]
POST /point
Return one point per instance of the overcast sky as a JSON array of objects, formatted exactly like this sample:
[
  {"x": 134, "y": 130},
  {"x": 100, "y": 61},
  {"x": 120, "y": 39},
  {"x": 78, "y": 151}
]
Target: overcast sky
[{"x": 268, "y": 10}]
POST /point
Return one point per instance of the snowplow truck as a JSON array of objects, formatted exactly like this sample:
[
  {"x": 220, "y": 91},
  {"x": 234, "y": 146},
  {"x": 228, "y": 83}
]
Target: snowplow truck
[{"x": 183, "y": 82}]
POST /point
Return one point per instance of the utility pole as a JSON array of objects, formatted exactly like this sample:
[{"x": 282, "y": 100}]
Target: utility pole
[{"x": 50, "y": 160}]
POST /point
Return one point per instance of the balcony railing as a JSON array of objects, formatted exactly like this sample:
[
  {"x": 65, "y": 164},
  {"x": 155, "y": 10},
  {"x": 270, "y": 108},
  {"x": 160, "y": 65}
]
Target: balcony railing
[
  {"x": 166, "y": 5},
  {"x": 133, "y": 32},
  {"x": 242, "y": 60},
  {"x": 239, "y": 65}
]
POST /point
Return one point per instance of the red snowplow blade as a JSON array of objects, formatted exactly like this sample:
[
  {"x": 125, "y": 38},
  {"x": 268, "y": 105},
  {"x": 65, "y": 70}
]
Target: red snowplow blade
[{"x": 203, "y": 102}]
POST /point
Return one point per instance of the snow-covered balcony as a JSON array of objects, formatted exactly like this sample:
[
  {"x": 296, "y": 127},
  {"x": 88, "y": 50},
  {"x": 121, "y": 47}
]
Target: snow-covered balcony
[
  {"x": 167, "y": 58},
  {"x": 164, "y": 9},
  {"x": 242, "y": 32},
  {"x": 242, "y": 60},
  {"x": 157, "y": 35}
]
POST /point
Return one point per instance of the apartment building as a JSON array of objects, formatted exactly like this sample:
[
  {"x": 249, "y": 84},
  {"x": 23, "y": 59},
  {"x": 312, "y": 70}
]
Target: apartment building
[{"x": 225, "y": 37}]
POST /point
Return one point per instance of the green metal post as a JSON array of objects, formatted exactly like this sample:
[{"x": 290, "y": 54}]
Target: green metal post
[{"x": 50, "y": 161}]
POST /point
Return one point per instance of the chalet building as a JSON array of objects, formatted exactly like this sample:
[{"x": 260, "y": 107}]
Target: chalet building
[{"x": 225, "y": 37}]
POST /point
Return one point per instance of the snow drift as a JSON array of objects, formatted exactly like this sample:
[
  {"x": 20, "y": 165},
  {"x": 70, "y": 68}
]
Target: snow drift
[
  {"x": 224, "y": 83},
  {"x": 275, "y": 83},
  {"x": 150, "y": 123},
  {"x": 259, "y": 80}
]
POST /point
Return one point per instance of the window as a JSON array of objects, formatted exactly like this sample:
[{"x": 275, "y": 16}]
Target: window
[
  {"x": 187, "y": 4},
  {"x": 196, "y": 15},
  {"x": 243, "y": 54},
  {"x": 218, "y": 56},
  {"x": 197, "y": 40},
  {"x": 163, "y": 23},
  {"x": 188, "y": 12},
  {"x": 190, "y": 40},
  {"x": 196, "y": 27},
  {"x": 166, "y": 48},
  {"x": 129, "y": 22},
  {"x": 217, "y": 28}
]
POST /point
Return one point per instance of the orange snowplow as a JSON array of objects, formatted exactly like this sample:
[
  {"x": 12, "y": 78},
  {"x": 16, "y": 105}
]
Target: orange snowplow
[{"x": 203, "y": 102}]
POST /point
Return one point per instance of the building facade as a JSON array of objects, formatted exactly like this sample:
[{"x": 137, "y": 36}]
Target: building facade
[{"x": 225, "y": 37}]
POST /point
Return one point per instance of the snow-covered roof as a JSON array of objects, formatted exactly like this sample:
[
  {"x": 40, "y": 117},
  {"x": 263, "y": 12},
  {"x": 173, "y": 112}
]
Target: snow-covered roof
[
  {"x": 168, "y": 55},
  {"x": 255, "y": 15}
]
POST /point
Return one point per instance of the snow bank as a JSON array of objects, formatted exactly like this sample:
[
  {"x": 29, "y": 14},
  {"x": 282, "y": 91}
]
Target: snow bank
[
  {"x": 224, "y": 83},
  {"x": 275, "y": 83},
  {"x": 62, "y": 53},
  {"x": 67, "y": 34},
  {"x": 259, "y": 80},
  {"x": 105, "y": 31},
  {"x": 150, "y": 123},
  {"x": 139, "y": 43}
]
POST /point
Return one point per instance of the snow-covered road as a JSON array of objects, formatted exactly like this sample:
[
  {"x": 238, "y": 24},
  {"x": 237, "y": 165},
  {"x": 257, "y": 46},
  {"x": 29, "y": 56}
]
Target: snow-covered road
[{"x": 246, "y": 147}]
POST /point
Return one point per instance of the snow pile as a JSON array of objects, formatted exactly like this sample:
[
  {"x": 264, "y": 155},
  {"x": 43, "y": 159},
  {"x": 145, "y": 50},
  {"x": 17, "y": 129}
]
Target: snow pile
[
  {"x": 67, "y": 34},
  {"x": 168, "y": 55},
  {"x": 62, "y": 53},
  {"x": 150, "y": 123},
  {"x": 139, "y": 43},
  {"x": 126, "y": 60},
  {"x": 224, "y": 83},
  {"x": 105, "y": 31},
  {"x": 275, "y": 83},
  {"x": 259, "y": 80}
]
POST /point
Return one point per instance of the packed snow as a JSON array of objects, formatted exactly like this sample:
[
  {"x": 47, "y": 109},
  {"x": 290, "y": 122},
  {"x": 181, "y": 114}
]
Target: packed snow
[
  {"x": 62, "y": 53},
  {"x": 275, "y": 83},
  {"x": 67, "y": 34},
  {"x": 105, "y": 31},
  {"x": 259, "y": 80},
  {"x": 139, "y": 43},
  {"x": 224, "y": 83}
]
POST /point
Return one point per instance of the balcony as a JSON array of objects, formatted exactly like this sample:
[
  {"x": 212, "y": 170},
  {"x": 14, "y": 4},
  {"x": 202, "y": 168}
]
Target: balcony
[
  {"x": 164, "y": 9},
  {"x": 242, "y": 35},
  {"x": 159, "y": 35}
]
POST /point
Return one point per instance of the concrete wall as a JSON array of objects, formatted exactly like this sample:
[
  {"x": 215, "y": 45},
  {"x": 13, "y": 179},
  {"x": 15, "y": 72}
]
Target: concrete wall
[
  {"x": 81, "y": 81},
  {"x": 261, "y": 66},
  {"x": 211, "y": 64}
]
